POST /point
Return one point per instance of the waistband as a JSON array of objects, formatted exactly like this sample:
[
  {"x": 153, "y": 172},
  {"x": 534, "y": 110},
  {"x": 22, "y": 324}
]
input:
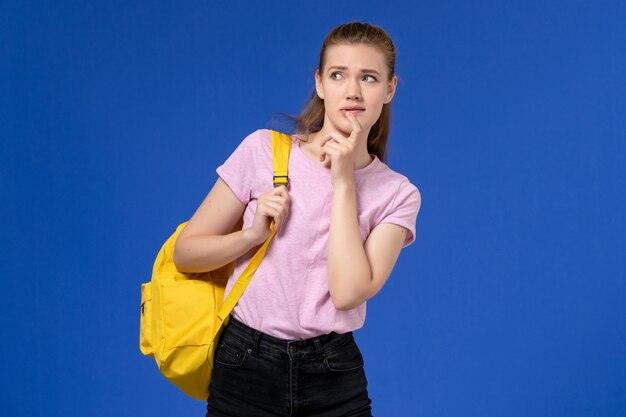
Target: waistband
[{"x": 263, "y": 341}]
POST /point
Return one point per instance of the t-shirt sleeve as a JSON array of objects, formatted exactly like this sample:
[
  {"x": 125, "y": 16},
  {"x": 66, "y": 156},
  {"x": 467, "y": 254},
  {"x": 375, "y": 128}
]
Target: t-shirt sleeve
[
  {"x": 239, "y": 170},
  {"x": 406, "y": 205}
]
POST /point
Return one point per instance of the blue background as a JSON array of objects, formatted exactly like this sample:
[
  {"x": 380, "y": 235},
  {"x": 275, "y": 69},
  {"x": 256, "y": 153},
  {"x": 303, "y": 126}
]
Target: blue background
[{"x": 509, "y": 118}]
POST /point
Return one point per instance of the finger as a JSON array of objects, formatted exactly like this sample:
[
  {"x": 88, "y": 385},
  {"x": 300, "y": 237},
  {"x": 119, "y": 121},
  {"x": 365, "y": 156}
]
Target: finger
[
  {"x": 284, "y": 192},
  {"x": 336, "y": 136},
  {"x": 332, "y": 144},
  {"x": 280, "y": 219},
  {"x": 274, "y": 206},
  {"x": 337, "y": 139},
  {"x": 275, "y": 202},
  {"x": 356, "y": 126},
  {"x": 334, "y": 148},
  {"x": 278, "y": 190},
  {"x": 268, "y": 210},
  {"x": 323, "y": 154},
  {"x": 279, "y": 196},
  {"x": 326, "y": 140}
]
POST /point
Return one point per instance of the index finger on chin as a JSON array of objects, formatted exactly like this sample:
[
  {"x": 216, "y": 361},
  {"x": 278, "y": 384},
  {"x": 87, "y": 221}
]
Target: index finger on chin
[{"x": 356, "y": 126}]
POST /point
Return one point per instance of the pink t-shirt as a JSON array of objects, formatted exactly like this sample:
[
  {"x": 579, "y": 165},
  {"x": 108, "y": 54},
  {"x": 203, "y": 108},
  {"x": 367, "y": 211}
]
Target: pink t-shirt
[{"x": 288, "y": 296}]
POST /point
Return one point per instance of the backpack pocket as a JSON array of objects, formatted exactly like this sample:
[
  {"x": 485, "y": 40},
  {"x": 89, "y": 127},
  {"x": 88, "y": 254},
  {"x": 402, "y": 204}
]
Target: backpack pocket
[
  {"x": 145, "y": 322},
  {"x": 189, "y": 309}
]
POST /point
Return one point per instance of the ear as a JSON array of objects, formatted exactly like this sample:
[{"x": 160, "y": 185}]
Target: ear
[
  {"x": 391, "y": 89},
  {"x": 318, "y": 85}
]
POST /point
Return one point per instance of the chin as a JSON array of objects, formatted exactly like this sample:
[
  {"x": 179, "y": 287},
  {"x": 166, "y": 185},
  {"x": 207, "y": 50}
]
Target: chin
[
  {"x": 345, "y": 125},
  {"x": 346, "y": 131}
]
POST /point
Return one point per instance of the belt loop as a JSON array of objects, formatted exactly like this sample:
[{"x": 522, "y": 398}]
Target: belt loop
[
  {"x": 318, "y": 346},
  {"x": 255, "y": 344}
]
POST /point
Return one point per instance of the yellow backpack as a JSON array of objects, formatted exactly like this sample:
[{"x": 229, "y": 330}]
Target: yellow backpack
[{"x": 183, "y": 314}]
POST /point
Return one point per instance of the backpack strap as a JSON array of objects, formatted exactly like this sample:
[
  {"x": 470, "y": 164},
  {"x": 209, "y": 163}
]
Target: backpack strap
[{"x": 281, "y": 147}]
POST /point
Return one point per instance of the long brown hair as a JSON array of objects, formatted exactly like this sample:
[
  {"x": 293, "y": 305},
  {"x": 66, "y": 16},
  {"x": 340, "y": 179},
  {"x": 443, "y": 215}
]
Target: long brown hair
[{"x": 311, "y": 119}]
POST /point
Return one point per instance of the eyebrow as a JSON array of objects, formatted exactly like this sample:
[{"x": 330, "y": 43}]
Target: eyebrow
[{"x": 363, "y": 71}]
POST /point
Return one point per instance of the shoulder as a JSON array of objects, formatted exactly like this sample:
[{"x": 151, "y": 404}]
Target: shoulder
[
  {"x": 252, "y": 145},
  {"x": 401, "y": 201},
  {"x": 396, "y": 181},
  {"x": 257, "y": 138},
  {"x": 262, "y": 139},
  {"x": 256, "y": 147}
]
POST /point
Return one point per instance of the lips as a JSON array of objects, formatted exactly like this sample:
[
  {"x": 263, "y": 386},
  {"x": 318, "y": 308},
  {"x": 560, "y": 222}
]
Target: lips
[{"x": 353, "y": 110}]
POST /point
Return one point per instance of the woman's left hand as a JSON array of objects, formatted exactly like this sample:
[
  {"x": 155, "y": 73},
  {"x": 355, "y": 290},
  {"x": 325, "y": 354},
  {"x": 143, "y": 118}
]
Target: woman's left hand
[{"x": 340, "y": 151}]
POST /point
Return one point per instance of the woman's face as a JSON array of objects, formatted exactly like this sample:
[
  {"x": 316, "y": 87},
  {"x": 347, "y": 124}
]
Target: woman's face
[{"x": 354, "y": 77}]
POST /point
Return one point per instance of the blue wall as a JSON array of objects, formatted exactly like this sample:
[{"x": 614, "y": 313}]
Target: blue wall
[{"x": 509, "y": 118}]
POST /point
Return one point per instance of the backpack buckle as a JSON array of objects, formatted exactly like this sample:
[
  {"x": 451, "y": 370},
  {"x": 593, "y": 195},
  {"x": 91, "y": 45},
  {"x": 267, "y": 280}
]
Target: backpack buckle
[{"x": 281, "y": 180}]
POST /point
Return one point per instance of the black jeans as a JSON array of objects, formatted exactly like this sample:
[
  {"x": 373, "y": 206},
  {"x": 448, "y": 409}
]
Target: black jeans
[{"x": 259, "y": 375}]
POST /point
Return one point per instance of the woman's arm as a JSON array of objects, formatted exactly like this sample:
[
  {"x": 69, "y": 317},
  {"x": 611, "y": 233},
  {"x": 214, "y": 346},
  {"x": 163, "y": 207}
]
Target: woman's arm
[
  {"x": 208, "y": 242},
  {"x": 358, "y": 271}
]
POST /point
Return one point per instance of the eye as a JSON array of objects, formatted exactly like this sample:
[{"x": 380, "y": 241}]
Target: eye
[{"x": 368, "y": 78}]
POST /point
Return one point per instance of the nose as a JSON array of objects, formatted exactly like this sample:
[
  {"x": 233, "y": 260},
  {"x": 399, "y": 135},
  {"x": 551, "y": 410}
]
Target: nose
[{"x": 353, "y": 91}]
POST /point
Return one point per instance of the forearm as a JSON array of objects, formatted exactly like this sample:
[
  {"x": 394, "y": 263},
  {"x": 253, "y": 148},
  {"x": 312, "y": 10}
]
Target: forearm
[
  {"x": 349, "y": 272},
  {"x": 209, "y": 252}
]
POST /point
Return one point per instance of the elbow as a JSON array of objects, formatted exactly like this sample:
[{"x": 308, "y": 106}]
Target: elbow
[
  {"x": 187, "y": 260},
  {"x": 347, "y": 302},
  {"x": 179, "y": 256},
  {"x": 177, "y": 261},
  {"x": 346, "y": 296}
]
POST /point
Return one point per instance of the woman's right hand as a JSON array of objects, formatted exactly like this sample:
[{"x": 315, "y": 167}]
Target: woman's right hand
[{"x": 272, "y": 205}]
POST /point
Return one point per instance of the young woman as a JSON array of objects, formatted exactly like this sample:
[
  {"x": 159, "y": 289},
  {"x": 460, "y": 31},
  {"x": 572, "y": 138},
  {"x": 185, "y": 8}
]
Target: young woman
[{"x": 288, "y": 348}]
